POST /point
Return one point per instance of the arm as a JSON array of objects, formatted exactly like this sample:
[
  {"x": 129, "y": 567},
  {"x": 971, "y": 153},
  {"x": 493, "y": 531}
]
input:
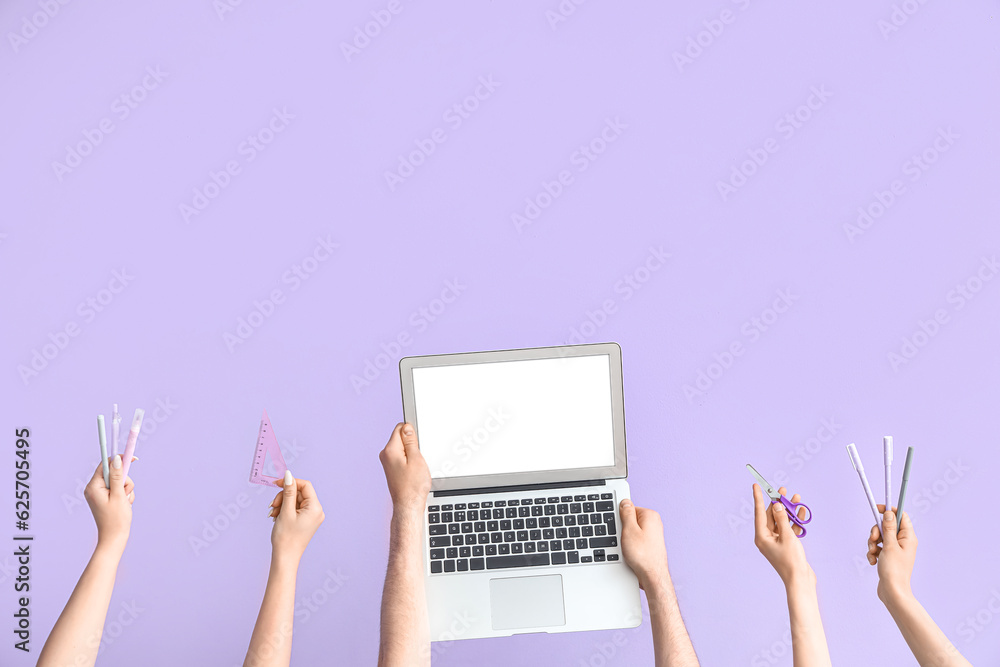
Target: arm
[
  {"x": 645, "y": 552},
  {"x": 77, "y": 634},
  {"x": 777, "y": 540},
  {"x": 404, "y": 638},
  {"x": 895, "y": 560},
  {"x": 299, "y": 514}
]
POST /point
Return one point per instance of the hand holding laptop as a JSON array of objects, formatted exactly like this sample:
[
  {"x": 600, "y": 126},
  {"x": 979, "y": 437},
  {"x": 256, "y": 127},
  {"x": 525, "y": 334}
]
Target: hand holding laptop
[
  {"x": 406, "y": 472},
  {"x": 404, "y": 632},
  {"x": 645, "y": 553},
  {"x": 642, "y": 545}
]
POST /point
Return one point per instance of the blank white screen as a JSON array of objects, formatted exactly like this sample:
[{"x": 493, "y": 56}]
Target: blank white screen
[{"x": 515, "y": 416}]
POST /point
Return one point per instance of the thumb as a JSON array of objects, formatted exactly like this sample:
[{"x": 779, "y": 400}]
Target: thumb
[
  {"x": 781, "y": 525},
  {"x": 117, "y": 476},
  {"x": 627, "y": 512},
  {"x": 410, "y": 446},
  {"x": 889, "y": 528},
  {"x": 288, "y": 495}
]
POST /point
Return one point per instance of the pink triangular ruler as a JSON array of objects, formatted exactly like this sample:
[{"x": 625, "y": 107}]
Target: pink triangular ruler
[{"x": 267, "y": 456}]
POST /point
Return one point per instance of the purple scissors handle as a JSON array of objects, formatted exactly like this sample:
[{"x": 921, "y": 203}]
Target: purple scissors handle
[{"x": 792, "y": 510}]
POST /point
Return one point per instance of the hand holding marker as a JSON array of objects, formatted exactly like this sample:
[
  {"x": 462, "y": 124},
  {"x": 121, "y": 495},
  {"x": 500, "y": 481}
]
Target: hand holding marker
[
  {"x": 133, "y": 436},
  {"x": 887, "y": 461}
]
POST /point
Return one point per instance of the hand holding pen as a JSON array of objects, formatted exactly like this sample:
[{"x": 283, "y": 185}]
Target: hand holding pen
[
  {"x": 111, "y": 505},
  {"x": 895, "y": 556}
]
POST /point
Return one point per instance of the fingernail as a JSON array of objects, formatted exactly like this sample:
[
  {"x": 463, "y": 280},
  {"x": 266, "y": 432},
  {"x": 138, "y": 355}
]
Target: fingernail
[
  {"x": 289, "y": 480},
  {"x": 626, "y": 503},
  {"x": 269, "y": 510},
  {"x": 117, "y": 462},
  {"x": 135, "y": 458},
  {"x": 407, "y": 430},
  {"x": 778, "y": 507}
]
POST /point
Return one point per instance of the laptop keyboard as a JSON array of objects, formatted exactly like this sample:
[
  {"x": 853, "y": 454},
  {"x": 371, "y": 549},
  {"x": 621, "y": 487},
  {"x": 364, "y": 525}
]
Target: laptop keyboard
[{"x": 523, "y": 532}]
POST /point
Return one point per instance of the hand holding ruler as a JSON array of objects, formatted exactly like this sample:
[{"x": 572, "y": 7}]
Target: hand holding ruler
[{"x": 267, "y": 444}]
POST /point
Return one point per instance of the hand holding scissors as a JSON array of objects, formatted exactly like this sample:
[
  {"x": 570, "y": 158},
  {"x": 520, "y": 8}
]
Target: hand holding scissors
[{"x": 791, "y": 508}]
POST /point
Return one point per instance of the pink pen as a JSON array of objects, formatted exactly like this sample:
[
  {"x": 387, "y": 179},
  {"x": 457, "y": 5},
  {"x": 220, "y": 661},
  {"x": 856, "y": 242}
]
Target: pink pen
[{"x": 133, "y": 435}]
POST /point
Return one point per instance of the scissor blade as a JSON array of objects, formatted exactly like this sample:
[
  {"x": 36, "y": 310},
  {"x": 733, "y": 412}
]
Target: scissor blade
[{"x": 764, "y": 484}]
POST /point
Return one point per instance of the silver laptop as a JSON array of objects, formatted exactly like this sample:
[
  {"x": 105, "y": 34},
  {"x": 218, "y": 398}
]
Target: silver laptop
[{"x": 526, "y": 450}]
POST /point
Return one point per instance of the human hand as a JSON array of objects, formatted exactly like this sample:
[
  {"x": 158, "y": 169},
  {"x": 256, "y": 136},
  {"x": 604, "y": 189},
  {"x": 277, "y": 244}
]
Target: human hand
[
  {"x": 642, "y": 544},
  {"x": 406, "y": 471},
  {"x": 111, "y": 507},
  {"x": 777, "y": 538},
  {"x": 297, "y": 514},
  {"x": 895, "y": 557}
]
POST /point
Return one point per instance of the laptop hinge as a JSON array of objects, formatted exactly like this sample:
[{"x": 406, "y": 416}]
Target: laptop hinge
[{"x": 518, "y": 487}]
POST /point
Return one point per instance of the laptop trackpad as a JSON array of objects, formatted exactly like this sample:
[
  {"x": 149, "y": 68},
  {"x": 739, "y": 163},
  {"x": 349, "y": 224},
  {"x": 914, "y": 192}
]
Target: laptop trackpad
[{"x": 527, "y": 602}]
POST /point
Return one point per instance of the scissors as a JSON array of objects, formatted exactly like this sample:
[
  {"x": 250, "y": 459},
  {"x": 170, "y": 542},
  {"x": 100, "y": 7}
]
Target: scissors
[{"x": 791, "y": 509}]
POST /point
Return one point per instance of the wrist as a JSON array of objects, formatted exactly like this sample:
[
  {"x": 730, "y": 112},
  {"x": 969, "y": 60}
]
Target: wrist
[
  {"x": 656, "y": 581},
  {"x": 895, "y": 596},
  {"x": 412, "y": 510},
  {"x": 111, "y": 550},
  {"x": 285, "y": 560},
  {"x": 800, "y": 580}
]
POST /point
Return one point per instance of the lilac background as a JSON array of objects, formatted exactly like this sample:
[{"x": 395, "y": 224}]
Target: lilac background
[{"x": 827, "y": 358}]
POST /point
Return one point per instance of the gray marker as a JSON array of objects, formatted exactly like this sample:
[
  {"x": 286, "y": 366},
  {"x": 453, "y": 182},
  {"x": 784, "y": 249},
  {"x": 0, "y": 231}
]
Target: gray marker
[{"x": 902, "y": 487}]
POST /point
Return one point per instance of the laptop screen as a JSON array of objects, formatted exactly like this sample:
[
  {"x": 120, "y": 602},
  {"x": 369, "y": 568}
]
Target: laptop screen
[{"x": 515, "y": 416}]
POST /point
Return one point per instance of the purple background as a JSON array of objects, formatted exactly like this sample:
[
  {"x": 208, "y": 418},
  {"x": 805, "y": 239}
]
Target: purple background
[{"x": 161, "y": 339}]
